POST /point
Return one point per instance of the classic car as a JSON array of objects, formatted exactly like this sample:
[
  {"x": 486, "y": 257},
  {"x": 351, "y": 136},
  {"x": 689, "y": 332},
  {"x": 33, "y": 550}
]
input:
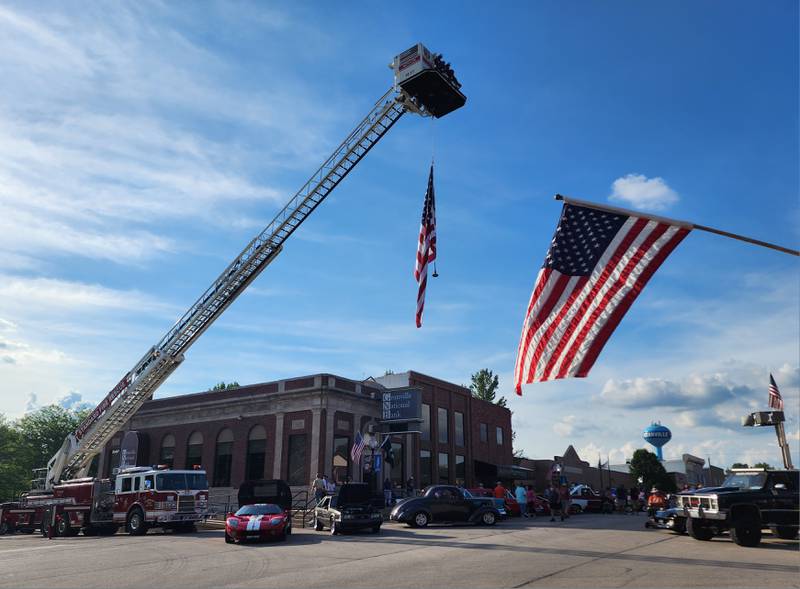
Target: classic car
[
  {"x": 584, "y": 498},
  {"x": 445, "y": 503},
  {"x": 260, "y": 521},
  {"x": 671, "y": 519},
  {"x": 350, "y": 509}
]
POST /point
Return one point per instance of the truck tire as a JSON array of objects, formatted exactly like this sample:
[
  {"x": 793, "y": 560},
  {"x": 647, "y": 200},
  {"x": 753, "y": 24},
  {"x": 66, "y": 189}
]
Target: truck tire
[
  {"x": 785, "y": 532},
  {"x": 63, "y": 527},
  {"x": 746, "y": 530},
  {"x": 697, "y": 530},
  {"x": 136, "y": 525}
]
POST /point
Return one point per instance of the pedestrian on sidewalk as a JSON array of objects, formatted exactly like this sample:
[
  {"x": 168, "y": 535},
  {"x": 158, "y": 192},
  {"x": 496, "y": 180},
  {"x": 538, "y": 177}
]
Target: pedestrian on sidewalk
[
  {"x": 500, "y": 491},
  {"x": 530, "y": 499},
  {"x": 555, "y": 503},
  {"x": 563, "y": 494},
  {"x": 387, "y": 492},
  {"x": 522, "y": 498},
  {"x": 318, "y": 487}
]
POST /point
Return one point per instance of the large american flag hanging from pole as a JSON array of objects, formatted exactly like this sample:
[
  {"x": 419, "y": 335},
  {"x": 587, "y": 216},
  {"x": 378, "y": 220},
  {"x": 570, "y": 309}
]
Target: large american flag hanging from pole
[
  {"x": 598, "y": 263},
  {"x": 775, "y": 399},
  {"x": 426, "y": 246}
]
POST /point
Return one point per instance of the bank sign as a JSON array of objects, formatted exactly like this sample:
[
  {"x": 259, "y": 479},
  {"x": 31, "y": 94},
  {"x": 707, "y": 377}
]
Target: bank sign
[{"x": 402, "y": 405}]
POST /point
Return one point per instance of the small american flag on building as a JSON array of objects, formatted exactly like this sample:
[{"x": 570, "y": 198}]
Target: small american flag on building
[
  {"x": 775, "y": 399},
  {"x": 426, "y": 246},
  {"x": 598, "y": 263},
  {"x": 358, "y": 448}
]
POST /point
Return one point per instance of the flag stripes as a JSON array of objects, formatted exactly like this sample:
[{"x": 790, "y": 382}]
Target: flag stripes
[
  {"x": 426, "y": 247},
  {"x": 775, "y": 399},
  {"x": 358, "y": 447},
  {"x": 597, "y": 265}
]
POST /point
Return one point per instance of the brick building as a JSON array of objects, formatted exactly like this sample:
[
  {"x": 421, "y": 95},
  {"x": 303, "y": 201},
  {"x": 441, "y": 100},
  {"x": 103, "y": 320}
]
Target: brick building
[{"x": 294, "y": 428}]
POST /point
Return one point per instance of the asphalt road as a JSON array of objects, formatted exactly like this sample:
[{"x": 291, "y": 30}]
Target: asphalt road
[{"x": 586, "y": 551}]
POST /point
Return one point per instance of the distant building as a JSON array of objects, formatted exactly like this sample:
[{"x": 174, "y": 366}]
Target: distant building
[
  {"x": 574, "y": 470},
  {"x": 686, "y": 470}
]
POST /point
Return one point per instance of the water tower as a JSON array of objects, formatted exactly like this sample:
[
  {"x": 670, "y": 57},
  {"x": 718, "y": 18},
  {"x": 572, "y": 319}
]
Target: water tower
[{"x": 657, "y": 435}]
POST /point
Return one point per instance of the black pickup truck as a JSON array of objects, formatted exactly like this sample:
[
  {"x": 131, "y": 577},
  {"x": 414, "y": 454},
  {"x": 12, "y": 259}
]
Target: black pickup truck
[{"x": 747, "y": 502}]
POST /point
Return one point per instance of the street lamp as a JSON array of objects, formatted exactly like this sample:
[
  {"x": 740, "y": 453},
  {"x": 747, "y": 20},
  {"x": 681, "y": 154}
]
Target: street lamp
[{"x": 774, "y": 418}]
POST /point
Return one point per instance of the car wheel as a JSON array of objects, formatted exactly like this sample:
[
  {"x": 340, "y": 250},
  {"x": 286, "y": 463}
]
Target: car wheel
[
  {"x": 420, "y": 519},
  {"x": 283, "y": 537},
  {"x": 785, "y": 532},
  {"x": 136, "y": 524},
  {"x": 318, "y": 524},
  {"x": 488, "y": 519},
  {"x": 698, "y": 531},
  {"x": 228, "y": 539},
  {"x": 746, "y": 531},
  {"x": 334, "y": 528},
  {"x": 576, "y": 509}
]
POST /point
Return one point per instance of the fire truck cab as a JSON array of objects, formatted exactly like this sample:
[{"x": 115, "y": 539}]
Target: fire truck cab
[{"x": 147, "y": 497}]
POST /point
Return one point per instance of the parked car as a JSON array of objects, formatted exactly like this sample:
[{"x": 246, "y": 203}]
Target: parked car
[
  {"x": 671, "y": 519},
  {"x": 445, "y": 504},
  {"x": 350, "y": 509},
  {"x": 584, "y": 498},
  {"x": 260, "y": 521},
  {"x": 510, "y": 502},
  {"x": 747, "y": 502}
]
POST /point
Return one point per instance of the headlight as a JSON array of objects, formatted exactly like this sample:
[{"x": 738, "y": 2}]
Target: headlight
[
  {"x": 275, "y": 521},
  {"x": 233, "y": 522}
]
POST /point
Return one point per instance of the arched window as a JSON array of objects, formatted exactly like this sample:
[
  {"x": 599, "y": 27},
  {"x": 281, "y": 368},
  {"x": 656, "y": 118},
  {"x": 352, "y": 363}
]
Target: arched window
[
  {"x": 223, "y": 458},
  {"x": 167, "y": 453},
  {"x": 194, "y": 450},
  {"x": 256, "y": 453}
]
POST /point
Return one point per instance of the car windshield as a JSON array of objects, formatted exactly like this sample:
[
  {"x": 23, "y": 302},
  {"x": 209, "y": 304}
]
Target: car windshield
[
  {"x": 467, "y": 494},
  {"x": 262, "y": 509},
  {"x": 181, "y": 481},
  {"x": 746, "y": 480}
]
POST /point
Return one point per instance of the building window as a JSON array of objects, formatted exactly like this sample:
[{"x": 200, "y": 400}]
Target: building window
[
  {"x": 442, "y": 425},
  {"x": 297, "y": 460},
  {"x": 484, "y": 433},
  {"x": 167, "y": 453},
  {"x": 341, "y": 458},
  {"x": 425, "y": 468},
  {"x": 256, "y": 453},
  {"x": 459, "y": 418},
  {"x": 399, "y": 468},
  {"x": 499, "y": 433},
  {"x": 425, "y": 436},
  {"x": 223, "y": 458},
  {"x": 444, "y": 468},
  {"x": 461, "y": 470},
  {"x": 194, "y": 451}
]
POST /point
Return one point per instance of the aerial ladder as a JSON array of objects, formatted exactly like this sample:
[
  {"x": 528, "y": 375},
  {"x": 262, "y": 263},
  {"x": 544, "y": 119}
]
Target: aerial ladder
[{"x": 424, "y": 84}]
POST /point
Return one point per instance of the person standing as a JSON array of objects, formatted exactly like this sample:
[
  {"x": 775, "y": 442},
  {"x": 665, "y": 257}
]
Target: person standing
[
  {"x": 530, "y": 498},
  {"x": 563, "y": 495},
  {"x": 318, "y": 487},
  {"x": 555, "y": 503},
  {"x": 387, "y": 492},
  {"x": 330, "y": 486},
  {"x": 522, "y": 498},
  {"x": 500, "y": 491},
  {"x": 410, "y": 486}
]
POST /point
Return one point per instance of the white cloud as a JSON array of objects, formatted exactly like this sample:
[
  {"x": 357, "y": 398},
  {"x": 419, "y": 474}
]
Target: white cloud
[
  {"x": 696, "y": 390},
  {"x": 31, "y": 403},
  {"x": 643, "y": 192},
  {"x": 72, "y": 401},
  {"x": 565, "y": 427}
]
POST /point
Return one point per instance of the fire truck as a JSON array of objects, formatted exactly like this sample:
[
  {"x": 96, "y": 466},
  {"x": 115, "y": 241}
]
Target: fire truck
[{"x": 66, "y": 500}]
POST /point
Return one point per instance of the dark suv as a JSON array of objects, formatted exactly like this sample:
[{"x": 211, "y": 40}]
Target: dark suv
[
  {"x": 748, "y": 501},
  {"x": 350, "y": 509}
]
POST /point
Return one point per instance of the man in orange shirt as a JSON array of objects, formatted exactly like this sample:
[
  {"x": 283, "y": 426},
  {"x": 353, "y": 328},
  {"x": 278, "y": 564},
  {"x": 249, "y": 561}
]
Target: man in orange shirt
[{"x": 500, "y": 491}]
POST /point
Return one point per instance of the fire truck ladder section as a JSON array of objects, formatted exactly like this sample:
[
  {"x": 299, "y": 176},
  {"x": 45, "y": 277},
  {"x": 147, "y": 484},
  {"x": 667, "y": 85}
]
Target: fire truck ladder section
[{"x": 138, "y": 385}]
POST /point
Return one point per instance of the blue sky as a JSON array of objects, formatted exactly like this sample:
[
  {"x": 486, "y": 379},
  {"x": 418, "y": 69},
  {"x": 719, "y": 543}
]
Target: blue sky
[{"x": 143, "y": 144}]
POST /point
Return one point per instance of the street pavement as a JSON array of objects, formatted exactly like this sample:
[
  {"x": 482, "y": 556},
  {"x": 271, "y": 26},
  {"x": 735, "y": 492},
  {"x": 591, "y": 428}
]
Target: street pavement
[{"x": 587, "y": 550}]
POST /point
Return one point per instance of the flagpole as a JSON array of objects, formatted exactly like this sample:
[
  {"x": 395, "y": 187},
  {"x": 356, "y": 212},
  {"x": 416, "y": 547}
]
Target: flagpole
[{"x": 687, "y": 224}]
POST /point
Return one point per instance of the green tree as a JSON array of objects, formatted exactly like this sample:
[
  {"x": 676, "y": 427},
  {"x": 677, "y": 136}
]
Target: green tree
[
  {"x": 762, "y": 465},
  {"x": 222, "y": 386},
  {"x": 484, "y": 386},
  {"x": 30, "y": 442},
  {"x": 648, "y": 467}
]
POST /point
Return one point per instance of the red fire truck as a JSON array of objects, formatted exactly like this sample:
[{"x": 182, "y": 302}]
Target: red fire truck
[
  {"x": 140, "y": 498},
  {"x": 65, "y": 499}
]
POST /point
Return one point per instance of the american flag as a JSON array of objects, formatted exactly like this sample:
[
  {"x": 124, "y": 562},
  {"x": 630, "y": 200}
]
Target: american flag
[
  {"x": 775, "y": 399},
  {"x": 426, "y": 248},
  {"x": 358, "y": 447},
  {"x": 598, "y": 263}
]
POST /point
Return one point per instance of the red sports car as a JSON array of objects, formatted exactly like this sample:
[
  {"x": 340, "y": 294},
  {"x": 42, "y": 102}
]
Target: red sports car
[{"x": 259, "y": 521}]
